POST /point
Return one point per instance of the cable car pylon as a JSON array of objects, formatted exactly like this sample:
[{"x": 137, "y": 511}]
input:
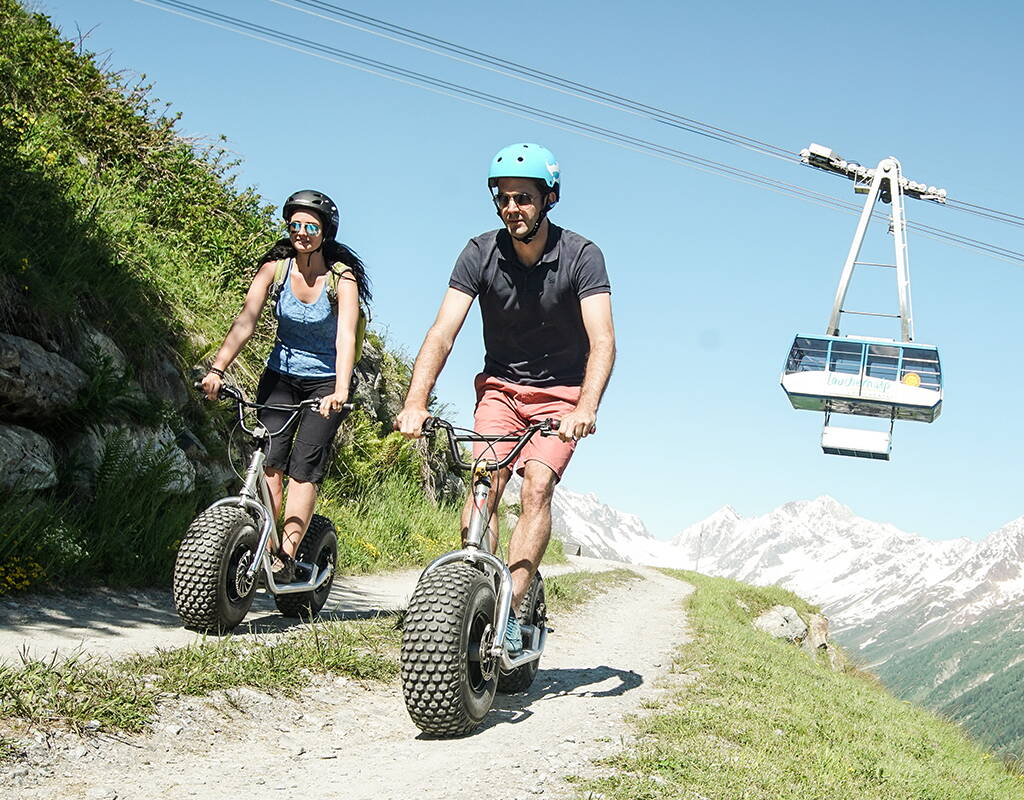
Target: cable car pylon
[{"x": 894, "y": 379}]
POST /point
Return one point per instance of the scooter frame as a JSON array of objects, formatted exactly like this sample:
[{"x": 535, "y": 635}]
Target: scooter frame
[
  {"x": 476, "y": 549},
  {"x": 255, "y": 498}
]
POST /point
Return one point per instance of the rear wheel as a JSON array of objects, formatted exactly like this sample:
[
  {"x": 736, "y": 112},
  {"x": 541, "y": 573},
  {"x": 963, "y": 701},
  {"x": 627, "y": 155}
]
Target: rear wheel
[
  {"x": 448, "y": 676},
  {"x": 533, "y": 611},
  {"x": 319, "y": 546},
  {"x": 211, "y": 589}
]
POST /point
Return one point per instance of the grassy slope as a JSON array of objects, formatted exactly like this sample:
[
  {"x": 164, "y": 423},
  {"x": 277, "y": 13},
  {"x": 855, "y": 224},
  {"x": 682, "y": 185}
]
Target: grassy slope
[
  {"x": 146, "y": 237},
  {"x": 760, "y": 719}
]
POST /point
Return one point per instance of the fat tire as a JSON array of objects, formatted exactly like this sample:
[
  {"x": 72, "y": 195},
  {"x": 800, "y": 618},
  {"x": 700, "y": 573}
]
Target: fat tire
[
  {"x": 446, "y": 693},
  {"x": 533, "y": 611},
  {"x": 205, "y": 592},
  {"x": 318, "y": 546}
]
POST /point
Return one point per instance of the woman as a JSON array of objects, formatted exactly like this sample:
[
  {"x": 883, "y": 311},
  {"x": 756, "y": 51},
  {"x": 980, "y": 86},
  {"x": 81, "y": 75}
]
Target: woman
[{"x": 313, "y": 356}]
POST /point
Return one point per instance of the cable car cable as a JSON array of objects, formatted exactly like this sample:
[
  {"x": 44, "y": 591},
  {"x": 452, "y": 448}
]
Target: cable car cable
[
  {"x": 457, "y": 91},
  {"x": 423, "y": 41},
  {"x": 466, "y": 55}
]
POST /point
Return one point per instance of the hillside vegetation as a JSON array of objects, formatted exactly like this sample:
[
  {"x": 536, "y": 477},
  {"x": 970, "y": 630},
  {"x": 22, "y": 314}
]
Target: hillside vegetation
[
  {"x": 111, "y": 221},
  {"x": 754, "y": 717},
  {"x": 973, "y": 674}
]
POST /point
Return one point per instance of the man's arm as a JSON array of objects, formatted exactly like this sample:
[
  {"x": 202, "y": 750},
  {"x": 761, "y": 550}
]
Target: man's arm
[
  {"x": 597, "y": 320},
  {"x": 429, "y": 361}
]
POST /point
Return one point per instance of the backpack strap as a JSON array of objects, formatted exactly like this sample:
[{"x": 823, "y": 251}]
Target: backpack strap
[
  {"x": 280, "y": 275},
  {"x": 334, "y": 274}
]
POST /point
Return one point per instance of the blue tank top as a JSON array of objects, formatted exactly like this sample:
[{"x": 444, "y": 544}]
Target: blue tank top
[{"x": 306, "y": 345}]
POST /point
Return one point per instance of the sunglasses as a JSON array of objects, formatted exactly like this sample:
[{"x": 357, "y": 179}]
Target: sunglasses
[
  {"x": 502, "y": 199},
  {"x": 312, "y": 229}
]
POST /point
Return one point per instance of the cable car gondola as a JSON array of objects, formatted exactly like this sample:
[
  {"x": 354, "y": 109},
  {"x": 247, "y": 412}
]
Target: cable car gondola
[{"x": 860, "y": 375}]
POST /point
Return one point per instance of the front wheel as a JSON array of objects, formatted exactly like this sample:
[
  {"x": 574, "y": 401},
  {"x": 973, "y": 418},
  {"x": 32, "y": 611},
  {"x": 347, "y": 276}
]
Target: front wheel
[
  {"x": 448, "y": 675},
  {"x": 211, "y": 589},
  {"x": 533, "y": 611},
  {"x": 319, "y": 546}
]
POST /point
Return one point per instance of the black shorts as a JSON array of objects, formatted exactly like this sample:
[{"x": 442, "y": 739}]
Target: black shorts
[{"x": 303, "y": 449}]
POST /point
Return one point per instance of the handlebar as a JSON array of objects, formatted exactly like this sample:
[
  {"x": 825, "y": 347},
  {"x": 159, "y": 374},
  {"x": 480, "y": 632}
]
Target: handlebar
[
  {"x": 229, "y": 392},
  {"x": 546, "y": 427}
]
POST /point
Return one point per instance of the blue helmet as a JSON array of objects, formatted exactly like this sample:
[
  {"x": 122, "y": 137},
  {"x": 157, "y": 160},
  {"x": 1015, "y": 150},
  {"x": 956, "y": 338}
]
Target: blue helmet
[{"x": 526, "y": 160}]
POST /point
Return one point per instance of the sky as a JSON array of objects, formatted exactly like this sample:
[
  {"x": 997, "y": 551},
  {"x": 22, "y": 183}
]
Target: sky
[{"x": 711, "y": 278}]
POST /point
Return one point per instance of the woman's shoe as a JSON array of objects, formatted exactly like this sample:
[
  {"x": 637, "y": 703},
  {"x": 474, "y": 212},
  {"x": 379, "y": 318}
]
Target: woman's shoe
[{"x": 283, "y": 568}]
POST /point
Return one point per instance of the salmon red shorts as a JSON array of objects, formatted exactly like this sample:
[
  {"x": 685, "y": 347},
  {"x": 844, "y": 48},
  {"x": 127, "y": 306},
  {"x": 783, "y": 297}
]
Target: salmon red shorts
[{"x": 503, "y": 407}]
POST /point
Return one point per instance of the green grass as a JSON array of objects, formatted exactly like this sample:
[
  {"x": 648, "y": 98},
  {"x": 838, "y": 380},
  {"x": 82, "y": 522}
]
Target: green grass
[
  {"x": 564, "y": 592},
  {"x": 122, "y": 695},
  {"x": 759, "y": 719},
  {"x": 555, "y": 554},
  {"x": 150, "y": 241},
  {"x": 393, "y": 525}
]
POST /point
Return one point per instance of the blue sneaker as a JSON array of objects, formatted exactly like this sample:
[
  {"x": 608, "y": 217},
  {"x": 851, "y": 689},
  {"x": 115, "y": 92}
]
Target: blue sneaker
[{"x": 513, "y": 635}]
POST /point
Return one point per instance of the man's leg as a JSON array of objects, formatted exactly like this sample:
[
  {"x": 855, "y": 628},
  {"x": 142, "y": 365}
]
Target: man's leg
[{"x": 530, "y": 538}]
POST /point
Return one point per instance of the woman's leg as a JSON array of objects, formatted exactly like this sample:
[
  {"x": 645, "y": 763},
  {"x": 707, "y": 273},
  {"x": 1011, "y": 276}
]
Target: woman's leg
[
  {"x": 275, "y": 482},
  {"x": 297, "y": 513}
]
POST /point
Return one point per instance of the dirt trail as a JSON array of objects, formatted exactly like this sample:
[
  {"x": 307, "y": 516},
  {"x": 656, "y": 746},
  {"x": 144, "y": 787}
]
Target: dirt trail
[
  {"x": 115, "y": 623},
  {"x": 353, "y": 742}
]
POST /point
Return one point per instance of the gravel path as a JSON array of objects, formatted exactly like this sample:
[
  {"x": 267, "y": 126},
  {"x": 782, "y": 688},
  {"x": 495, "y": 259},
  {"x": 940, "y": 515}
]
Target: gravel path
[
  {"x": 115, "y": 623},
  {"x": 354, "y": 741}
]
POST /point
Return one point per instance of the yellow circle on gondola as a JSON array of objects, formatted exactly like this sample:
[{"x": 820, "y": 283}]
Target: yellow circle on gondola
[{"x": 912, "y": 379}]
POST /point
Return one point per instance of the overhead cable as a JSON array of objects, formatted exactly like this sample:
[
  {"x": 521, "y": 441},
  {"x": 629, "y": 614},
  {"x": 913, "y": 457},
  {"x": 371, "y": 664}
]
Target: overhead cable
[
  {"x": 412, "y": 38},
  {"x": 423, "y": 41},
  {"x": 562, "y": 122}
]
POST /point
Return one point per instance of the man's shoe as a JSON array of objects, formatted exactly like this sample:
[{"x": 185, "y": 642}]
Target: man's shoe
[
  {"x": 283, "y": 569},
  {"x": 513, "y": 636}
]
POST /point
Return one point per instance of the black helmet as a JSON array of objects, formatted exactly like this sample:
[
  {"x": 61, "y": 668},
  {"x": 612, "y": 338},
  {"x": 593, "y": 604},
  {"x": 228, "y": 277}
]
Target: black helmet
[{"x": 317, "y": 202}]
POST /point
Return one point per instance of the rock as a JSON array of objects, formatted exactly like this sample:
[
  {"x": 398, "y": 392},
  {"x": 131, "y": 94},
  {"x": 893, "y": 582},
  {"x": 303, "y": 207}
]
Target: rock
[
  {"x": 92, "y": 346},
  {"x": 817, "y": 634},
  {"x": 27, "y": 460},
  {"x": 91, "y": 726},
  {"x": 88, "y": 448},
  {"x": 33, "y": 382},
  {"x": 782, "y": 622},
  {"x": 191, "y": 446},
  {"x": 165, "y": 380},
  {"x": 101, "y": 793}
]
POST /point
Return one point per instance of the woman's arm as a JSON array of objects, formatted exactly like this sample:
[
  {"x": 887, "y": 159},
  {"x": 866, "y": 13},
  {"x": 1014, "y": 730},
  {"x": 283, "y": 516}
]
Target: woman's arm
[
  {"x": 241, "y": 329},
  {"x": 348, "y": 319}
]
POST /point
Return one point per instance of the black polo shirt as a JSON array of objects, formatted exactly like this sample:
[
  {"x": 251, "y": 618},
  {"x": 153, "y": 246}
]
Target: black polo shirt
[{"x": 533, "y": 326}]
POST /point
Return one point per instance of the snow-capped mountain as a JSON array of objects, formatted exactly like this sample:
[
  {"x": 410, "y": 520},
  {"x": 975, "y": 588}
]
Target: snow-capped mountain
[
  {"x": 856, "y": 569},
  {"x": 597, "y": 529}
]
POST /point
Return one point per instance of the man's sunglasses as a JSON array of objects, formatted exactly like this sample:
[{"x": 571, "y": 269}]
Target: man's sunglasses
[
  {"x": 502, "y": 199},
  {"x": 312, "y": 229}
]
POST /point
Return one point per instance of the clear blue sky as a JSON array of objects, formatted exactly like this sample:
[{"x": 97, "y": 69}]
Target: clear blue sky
[{"x": 711, "y": 278}]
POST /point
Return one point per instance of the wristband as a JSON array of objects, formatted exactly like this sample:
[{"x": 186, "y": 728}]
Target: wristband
[{"x": 218, "y": 372}]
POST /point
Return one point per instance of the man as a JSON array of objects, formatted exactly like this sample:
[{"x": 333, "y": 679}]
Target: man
[{"x": 550, "y": 344}]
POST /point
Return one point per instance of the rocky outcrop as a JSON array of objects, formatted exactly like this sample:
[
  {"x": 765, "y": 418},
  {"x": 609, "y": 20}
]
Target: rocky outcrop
[
  {"x": 27, "y": 460},
  {"x": 89, "y": 448},
  {"x": 35, "y": 384},
  {"x": 782, "y": 622},
  {"x": 373, "y": 394}
]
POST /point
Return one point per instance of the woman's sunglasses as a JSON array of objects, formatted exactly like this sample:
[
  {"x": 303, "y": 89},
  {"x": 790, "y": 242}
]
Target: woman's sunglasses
[{"x": 312, "y": 229}]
